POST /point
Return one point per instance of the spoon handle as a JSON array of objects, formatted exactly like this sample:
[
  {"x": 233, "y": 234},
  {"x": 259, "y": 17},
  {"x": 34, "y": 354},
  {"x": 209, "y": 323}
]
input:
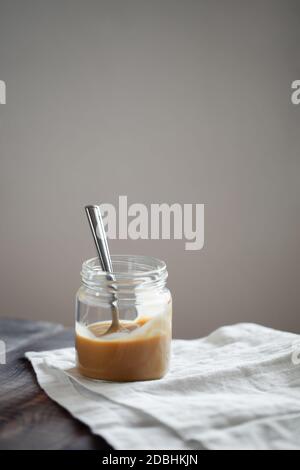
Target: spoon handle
[{"x": 96, "y": 223}]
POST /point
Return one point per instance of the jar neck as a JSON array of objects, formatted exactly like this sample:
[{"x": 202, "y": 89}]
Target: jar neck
[{"x": 132, "y": 274}]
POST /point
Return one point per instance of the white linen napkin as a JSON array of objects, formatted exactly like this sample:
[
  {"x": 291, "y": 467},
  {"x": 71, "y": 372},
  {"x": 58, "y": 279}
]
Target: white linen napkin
[{"x": 238, "y": 388}]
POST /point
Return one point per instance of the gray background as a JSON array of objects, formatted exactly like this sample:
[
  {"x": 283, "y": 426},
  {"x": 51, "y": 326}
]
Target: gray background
[{"x": 163, "y": 101}]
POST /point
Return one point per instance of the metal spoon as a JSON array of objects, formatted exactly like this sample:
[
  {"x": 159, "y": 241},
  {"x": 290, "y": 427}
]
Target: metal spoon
[{"x": 96, "y": 223}]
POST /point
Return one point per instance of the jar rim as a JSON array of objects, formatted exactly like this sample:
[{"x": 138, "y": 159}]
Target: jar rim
[{"x": 141, "y": 266}]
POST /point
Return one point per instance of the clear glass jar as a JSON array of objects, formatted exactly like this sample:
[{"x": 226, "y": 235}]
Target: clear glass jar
[{"x": 142, "y": 299}]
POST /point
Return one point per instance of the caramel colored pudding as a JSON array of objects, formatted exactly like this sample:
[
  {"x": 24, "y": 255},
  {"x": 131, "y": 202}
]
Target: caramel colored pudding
[{"x": 142, "y": 354}]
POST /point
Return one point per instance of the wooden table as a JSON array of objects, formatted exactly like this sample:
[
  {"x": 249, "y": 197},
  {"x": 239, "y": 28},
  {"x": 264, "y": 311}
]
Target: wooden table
[{"x": 28, "y": 418}]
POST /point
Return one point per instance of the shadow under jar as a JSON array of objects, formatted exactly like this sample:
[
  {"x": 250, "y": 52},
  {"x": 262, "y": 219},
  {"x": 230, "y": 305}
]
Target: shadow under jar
[{"x": 139, "y": 285}]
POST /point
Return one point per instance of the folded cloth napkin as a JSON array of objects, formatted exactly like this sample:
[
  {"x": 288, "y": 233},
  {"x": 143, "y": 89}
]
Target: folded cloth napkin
[{"x": 238, "y": 388}]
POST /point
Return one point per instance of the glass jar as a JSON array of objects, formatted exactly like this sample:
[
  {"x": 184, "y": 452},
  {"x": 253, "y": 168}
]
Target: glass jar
[{"x": 139, "y": 285}]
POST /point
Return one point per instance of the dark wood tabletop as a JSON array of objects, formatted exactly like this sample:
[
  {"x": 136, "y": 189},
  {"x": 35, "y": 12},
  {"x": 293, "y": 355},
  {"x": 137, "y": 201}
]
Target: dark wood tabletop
[{"x": 28, "y": 418}]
